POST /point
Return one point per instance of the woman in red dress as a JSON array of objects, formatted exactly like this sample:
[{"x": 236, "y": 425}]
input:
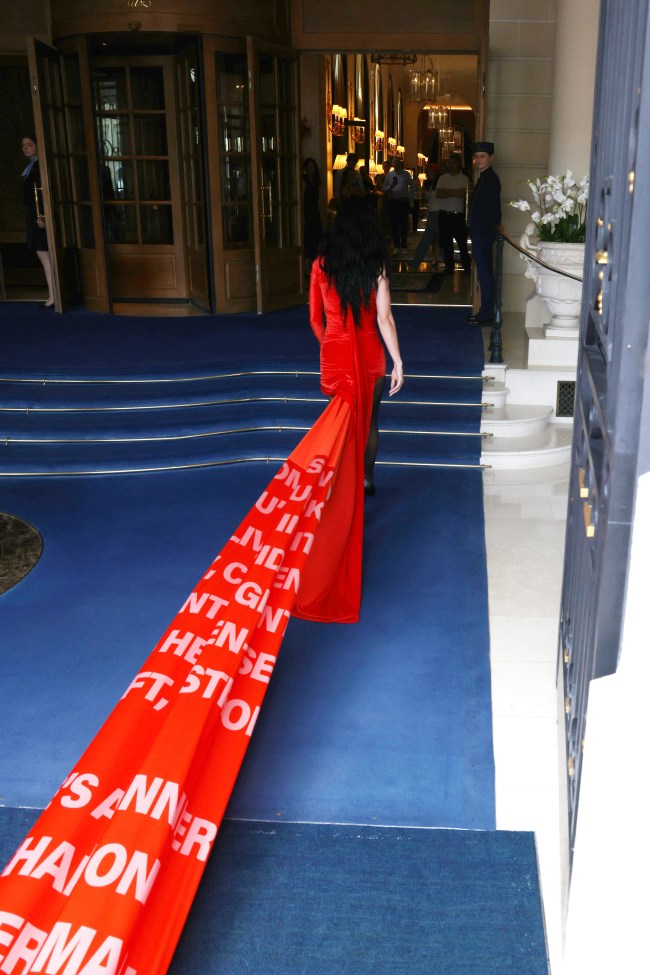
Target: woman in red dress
[{"x": 349, "y": 297}]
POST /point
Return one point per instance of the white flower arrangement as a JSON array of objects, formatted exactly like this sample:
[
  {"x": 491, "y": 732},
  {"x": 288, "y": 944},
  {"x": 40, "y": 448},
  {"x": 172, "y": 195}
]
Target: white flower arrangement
[{"x": 561, "y": 204}]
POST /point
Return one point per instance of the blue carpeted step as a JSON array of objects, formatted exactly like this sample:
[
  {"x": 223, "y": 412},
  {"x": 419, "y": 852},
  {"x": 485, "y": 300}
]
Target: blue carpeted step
[
  {"x": 287, "y": 898},
  {"x": 182, "y": 421},
  {"x": 48, "y": 394},
  {"x": 159, "y": 422},
  {"x": 199, "y": 419},
  {"x": 229, "y": 446},
  {"x": 139, "y": 392}
]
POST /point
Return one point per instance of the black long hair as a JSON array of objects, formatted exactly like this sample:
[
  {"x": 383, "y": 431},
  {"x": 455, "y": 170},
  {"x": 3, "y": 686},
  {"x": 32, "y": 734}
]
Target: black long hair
[
  {"x": 316, "y": 178},
  {"x": 353, "y": 255}
]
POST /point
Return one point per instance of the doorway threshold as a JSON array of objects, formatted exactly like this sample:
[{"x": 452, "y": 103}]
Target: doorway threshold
[{"x": 157, "y": 309}]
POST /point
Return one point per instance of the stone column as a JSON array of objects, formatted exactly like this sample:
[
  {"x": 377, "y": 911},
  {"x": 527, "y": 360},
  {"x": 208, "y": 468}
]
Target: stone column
[{"x": 576, "y": 43}]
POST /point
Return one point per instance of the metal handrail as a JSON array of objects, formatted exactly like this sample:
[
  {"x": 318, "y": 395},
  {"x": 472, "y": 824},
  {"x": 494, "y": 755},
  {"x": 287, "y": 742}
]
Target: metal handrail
[
  {"x": 538, "y": 260},
  {"x": 496, "y": 344}
]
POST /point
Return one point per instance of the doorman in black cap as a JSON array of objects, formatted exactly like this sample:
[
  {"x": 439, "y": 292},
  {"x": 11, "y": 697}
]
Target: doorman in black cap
[{"x": 484, "y": 221}]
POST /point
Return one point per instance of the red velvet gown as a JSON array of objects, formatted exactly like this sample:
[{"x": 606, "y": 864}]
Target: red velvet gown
[{"x": 351, "y": 359}]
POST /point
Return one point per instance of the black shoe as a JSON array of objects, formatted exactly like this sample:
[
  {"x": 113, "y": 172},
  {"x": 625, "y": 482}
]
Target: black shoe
[
  {"x": 479, "y": 320},
  {"x": 369, "y": 488}
]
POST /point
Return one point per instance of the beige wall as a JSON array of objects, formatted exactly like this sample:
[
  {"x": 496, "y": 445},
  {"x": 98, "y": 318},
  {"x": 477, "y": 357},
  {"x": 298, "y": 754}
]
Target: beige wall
[{"x": 520, "y": 89}]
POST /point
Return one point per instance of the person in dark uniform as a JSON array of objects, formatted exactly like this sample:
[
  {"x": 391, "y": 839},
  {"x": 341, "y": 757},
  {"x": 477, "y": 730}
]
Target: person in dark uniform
[
  {"x": 35, "y": 225},
  {"x": 313, "y": 227},
  {"x": 484, "y": 222}
]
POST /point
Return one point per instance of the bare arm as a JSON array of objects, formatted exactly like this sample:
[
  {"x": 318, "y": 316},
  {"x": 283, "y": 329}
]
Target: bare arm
[
  {"x": 388, "y": 331},
  {"x": 316, "y": 308}
]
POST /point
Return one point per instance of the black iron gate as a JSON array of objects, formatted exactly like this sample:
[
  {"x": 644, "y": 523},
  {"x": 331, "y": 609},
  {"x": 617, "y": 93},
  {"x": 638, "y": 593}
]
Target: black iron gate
[{"x": 610, "y": 446}]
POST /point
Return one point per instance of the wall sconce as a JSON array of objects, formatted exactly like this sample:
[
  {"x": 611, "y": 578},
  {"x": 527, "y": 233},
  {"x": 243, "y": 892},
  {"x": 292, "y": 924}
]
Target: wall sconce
[
  {"x": 379, "y": 140},
  {"x": 337, "y": 118},
  {"x": 422, "y": 160},
  {"x": 357, "y": 128},
  {"x": 340, "y": 161},
  {"x": 392, "y": 146},
  {"x": 400, "y": 152}
]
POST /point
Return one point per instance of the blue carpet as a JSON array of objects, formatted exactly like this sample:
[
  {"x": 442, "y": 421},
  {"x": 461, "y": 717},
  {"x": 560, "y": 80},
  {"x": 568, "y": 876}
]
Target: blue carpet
[
  {"x": 307, "y": 899},
  {"x": 94, "y": 343},
  {"x": 387, "y": 721}
]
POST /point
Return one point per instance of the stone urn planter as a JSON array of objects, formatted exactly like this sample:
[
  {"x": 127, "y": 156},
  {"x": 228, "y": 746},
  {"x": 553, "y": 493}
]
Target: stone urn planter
[{"x": 562, "y": 295}]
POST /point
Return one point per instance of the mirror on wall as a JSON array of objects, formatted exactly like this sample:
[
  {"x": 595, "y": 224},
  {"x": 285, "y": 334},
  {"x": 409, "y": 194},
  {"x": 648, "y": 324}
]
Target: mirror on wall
[
  {"x": 378, "y": 129},
  {"x": 340, "y": 97},
  {"x": 379, "y": 89},
  {"x": 361, "y": 134},
  {"x": 399, "y": 124}
]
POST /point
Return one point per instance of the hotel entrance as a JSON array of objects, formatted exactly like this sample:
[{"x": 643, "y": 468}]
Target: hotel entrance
[{"x": 170, "y": 172}]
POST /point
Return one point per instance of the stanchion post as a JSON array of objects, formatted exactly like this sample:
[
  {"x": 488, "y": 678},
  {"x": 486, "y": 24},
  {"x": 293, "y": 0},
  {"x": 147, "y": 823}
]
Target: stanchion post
[{"x": 496, "y": 344}]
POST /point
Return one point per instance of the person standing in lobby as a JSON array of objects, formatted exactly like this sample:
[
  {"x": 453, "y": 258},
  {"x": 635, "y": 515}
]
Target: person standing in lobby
[
  {"x": 399, "y": 193},
  {"x": 450, "y": 193},
  {"x": 484, "y": 222},
  {"x": 430, "y": 237},
  {"x": 348, "y": 174},
  {"x": 35, "y": 223}
]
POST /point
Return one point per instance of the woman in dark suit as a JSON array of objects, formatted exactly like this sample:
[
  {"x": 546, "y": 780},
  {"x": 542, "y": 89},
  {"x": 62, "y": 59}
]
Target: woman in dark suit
[{"x": 35, "y": 225}]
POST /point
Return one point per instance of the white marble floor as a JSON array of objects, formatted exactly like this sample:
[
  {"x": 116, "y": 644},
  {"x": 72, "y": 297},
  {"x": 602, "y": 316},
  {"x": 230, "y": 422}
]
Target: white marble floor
[
  {"x": 525, "y": 515},
  {"x": 525, "y": 520}
]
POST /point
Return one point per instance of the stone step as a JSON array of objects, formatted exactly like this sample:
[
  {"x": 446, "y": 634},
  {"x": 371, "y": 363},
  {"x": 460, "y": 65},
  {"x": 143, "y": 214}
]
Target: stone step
[
  {"x": 495, "y": 395},
  {"x": 515, "y": 421},
  {"x": 546, "y": 448}
]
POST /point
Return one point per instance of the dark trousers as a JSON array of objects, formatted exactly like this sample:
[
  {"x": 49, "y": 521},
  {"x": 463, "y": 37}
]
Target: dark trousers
[
  {"x": 398, "y": 213},
  {"x": 453, "y": 227},
  {"x": 415, "y": 216},
  {"x": 429, "y": 239},
  {"x": 482, "y": 243}
]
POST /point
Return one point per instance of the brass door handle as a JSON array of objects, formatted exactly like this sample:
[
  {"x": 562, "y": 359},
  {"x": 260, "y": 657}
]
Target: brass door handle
[
  {"x": 267, "y": 211},
  {"x": 584, "y": 491},
  {"x": 590, "y": 530}
]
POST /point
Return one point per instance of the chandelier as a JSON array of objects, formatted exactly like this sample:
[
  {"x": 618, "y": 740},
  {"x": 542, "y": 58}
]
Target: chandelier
[
  {"x": 422, "y": 81},
  {"x": 438, "y": 117}
]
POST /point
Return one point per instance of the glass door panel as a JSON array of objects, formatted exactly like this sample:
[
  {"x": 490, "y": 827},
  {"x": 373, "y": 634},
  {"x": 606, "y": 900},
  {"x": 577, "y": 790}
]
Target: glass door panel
[
  {"x": 140, "y": 176},
  {"x": 132, "y": 133},
  {"x": 234, "y": 142},
  {"x": 60, "y": 205},
  {"x": 228, "y": 142},
  {"x": 188, "y": 85},
  {"x": 85, "y": 175},
  {"x": 274, "y": 113}
]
